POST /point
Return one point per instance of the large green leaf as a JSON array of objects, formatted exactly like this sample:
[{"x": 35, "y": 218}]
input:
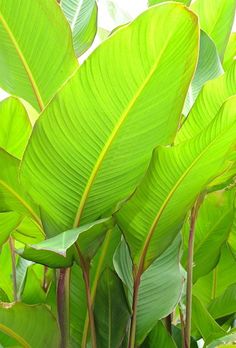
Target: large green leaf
[
  {"x": 213, "y": 225},
  {"x": 175, "y": 178},
  {"x": 208, "y": 68},
  {"x": 230, "y": 53},
  {"x": 160, "y": 287},
  {"x": 30, "y": 326},
  {"x": 82, "y": 16},
  {"x": 208, "y": 103},
  {"x": 225, "y": 304},
  {"x": 58, "y": 251},
  {"x": 12, "y": 195},
  {"x": 36, "y": 51},
  {"x": 216, "y": 18},
  {"x": 83, "y": 158},
  {"x": 232, "y": 235},
  {"x": 15, "y": 127},
  {"x": 159, "y": 337},
  {"x": 111, "y": 311}
]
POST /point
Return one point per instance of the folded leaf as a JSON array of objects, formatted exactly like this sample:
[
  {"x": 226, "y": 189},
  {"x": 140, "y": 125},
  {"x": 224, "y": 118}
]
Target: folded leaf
[
  {"x": 216, "y": 18},
  {"x": 159, "y": 337},
  {"x": 82, "y": 16},
  {"x": 15, "y": 127},
  {"x": 36, "y": 49},
  {"x": 176, "y": 176},
  {"x": 82, "y": 158},
  {"x": 30, "y": 326},
  {"x": 58, "y": 251},
  {"x": 8, "y": 222},
  {"x": 225, "y": 304}
]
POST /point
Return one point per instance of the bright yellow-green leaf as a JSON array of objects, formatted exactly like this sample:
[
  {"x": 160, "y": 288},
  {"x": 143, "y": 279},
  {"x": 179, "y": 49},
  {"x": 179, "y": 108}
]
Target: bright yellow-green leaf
[
  {"x": 36, "y": 50},
  {"x": 230, "y": 53},
  {"x": 15, "y": 127},
  {"x": 8, "y": 222},
  {"x": 93, "y": 142},
  {"x": 216, "y": 18},
  {"x": 176, "y": 176}
]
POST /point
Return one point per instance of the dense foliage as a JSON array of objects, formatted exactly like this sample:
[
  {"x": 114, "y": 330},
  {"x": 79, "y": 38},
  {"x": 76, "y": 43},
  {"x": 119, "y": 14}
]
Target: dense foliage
[{"x": 117, "y": 175}]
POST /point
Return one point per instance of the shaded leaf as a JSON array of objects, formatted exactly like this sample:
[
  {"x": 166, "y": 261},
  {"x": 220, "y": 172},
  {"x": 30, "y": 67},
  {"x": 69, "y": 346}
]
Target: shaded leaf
[
  {"x": 159, "y": 337},
  {"x": 225, "y": 304}
]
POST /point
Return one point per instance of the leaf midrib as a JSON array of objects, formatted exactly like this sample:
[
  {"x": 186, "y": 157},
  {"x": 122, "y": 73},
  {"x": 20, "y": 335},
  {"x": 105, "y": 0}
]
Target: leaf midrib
[
  {"x": 14, "y": 335},
  {"x": 24, "y": 62},
  {"x": 112, "y": 137}
]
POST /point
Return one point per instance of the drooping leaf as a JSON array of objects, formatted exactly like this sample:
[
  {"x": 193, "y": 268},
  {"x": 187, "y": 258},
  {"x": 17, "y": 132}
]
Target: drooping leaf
[
  {"x": 216, "y": 19},
  {"x": 208, "y": 103},
  {"x": 99, "y": 105},
  {"x": 225, "y": 304},
  {"x": 160, "y": 287},
  {"x": 82, "y": 16},
  {"x": 28, "y": 231},
  {"x": 230, "y": 53},
  {"x": 15, "y": 127},
  {"x": 159, "y": 337},
  {"x": 213, "y": 225},
  {"x": 176, "y": 176},
  {"x": 8, "y": 222},
  {"x": 208, "y": 68},
  {"x": 58, "y": 251},
  {"x": 111, "y": 311},
  {"x": 30, "y": 326},
  {"x": 36, "y": 51}
]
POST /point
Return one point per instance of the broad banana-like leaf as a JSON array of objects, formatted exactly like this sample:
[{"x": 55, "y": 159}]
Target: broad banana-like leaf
[
  {"x": 36, "y": 50},
  {"x": 215, "y": 283},
  {"x": 204, "y": 322},
  {"x": 111, "y": 311},
  {"x": 82, "y": 158},
  {"x": 159, "y": 337},
  {"x": 79, "y": 323},
  {"x": 15, "y": 127},
  {"x": 176, "y": 176},
  {"x": 30, "y": 326},
  {"x": 208, "y": 67},
  {"x": 58, "y": 251},
  {"x": 160, "y": 287},
  {"x": 82, "y": 16},
  {"x": 12, "y": 195},
  {"x": 225, "y": 304},
  {"x": 213, "y": 225},
  {"x": 155, "y": 2},
  {"x": 8, "y": 222},
  {"x": 216, "y": 18},
  {"x": 230, "y": 53},
  {"x": 208, "y": 103}
]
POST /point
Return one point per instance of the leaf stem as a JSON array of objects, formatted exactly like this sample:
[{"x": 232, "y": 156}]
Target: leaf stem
[
  {"x": 193, "y": 218},
  {"x": 85, "y": 270},
  {"x": 13, "y": 262},
  {"x": 63, "y": 305}
]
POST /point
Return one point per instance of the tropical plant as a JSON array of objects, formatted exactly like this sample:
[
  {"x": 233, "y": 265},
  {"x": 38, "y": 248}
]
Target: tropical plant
[{"x": 117, "y": 180}]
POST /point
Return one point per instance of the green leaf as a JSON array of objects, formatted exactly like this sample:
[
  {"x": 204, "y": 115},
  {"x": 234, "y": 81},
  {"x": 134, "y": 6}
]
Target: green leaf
[
  {"x": 15, "y": 127},
  {"x": 111, "y": 311},
  {"x": 12, "y": 195},
  {"x": 82, "y": 16},
  {"x": 32, "y": 291},
  {"x": 225, "y": 304},
  {"x": 176, "y": 176},
  {"x": 77, "y": 181},
  {"x": 8, "y": 222},
  {"x": 160, "y": 287},
  {"x": 155, "y": 2},
  {"x": 216, "y": 19},
  {"x": 6, "y": 283},
  {"x": 58, "y": 251},
  {"x": 208, "y": 103},
  {"x": 229, "y": 338},
  {"x": 36, "y": 49},
  {"x": 230, "y": 52},
  {"x": 213, "y": 224},
  {"x": 204, "y": 322},
  {"x": 159, "y": 337},
  {"x": 208, "y": 68},
  {"x": 30, "y": 326},
  {"x": 28, "y": 231},
  {"x": 232, "y": 235}
]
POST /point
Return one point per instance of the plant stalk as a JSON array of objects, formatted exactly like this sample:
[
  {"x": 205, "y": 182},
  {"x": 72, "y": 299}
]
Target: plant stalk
[
  {"x": 13, "y": 262},
  {"x": 85, "y": 271},
  {"x": 193, "y": 219},
  {"x": 63, "y": 305}
]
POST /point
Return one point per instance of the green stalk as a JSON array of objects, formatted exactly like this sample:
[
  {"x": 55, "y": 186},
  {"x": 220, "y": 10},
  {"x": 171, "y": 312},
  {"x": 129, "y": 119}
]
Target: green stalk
[
  {"x": 134, "y": 311},
  {"x": 63, "y": 305},
  {"x": 13, "y": 262},
  {"x": 193, "y": 219}
]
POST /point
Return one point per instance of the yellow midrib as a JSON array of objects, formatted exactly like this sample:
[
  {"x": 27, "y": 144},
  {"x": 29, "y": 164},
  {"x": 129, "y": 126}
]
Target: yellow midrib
[
  {"x": 24, "y": 62},
  {"x": 113, "y": 136},
  {"x": 168, "y": 198},
  {"x": 14, "y": 335}
]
